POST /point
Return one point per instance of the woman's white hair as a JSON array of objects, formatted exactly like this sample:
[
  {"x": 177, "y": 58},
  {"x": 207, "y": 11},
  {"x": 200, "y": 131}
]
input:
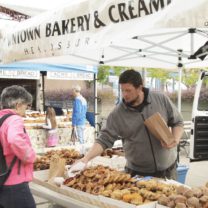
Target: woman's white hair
[
  {"x": 14, "y": 94},
  {"x": 76, "y": 88}
]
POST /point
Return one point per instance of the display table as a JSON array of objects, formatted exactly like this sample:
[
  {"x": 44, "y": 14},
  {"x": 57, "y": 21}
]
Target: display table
[
  {"x": 58, "y": 198},
  {"x": 70, "y": 194},
  {"x": 72, "y": 198},
  {"x": 38, "y": 137}
]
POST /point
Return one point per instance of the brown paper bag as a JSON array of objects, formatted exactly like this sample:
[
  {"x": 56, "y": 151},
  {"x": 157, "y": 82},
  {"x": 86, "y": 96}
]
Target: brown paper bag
[
  {"x": 57, "y": 168},
  {"x": 157, "y": 126}
]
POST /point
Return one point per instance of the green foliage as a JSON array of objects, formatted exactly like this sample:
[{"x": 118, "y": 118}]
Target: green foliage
[
  {"x": 103, "y": 74},
  {"x": 190, "y": 77},
  {"x": 160, "y": 74},
  {"x": 118, "y": 70}
]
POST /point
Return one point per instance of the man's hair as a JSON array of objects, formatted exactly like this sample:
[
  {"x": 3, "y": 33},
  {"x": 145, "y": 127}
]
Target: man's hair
[
  {"x": 76, "y": 88},
  {"x": 132, "y": 77}
]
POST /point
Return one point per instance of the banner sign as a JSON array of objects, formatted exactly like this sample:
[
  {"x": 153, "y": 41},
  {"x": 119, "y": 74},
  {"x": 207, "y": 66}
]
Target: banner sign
[
  {"x": 84, "y": 25},
  {"x": 19, "y": 74},
  {"x": 69, "y": 75}
]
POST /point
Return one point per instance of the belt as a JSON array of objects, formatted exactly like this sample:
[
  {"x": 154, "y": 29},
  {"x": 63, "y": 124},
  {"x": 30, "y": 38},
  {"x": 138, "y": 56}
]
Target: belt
[{"x": 159, "y": 173}]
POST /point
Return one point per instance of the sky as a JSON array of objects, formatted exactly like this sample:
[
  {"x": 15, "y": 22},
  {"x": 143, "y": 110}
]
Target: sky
[
  {"x": 33, "y": 7},
  {"x": 39, "y": 4}
]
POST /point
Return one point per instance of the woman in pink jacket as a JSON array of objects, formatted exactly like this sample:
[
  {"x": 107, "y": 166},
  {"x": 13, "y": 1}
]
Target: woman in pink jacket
[{"x": 15, "y": 192}]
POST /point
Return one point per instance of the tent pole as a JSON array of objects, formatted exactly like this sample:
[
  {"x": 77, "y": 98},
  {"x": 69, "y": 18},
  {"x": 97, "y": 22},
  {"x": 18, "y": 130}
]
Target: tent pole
[
  {"x": 192, "y": 31},
  {"x": 43, "y": 84},
  {"x": 180, "y": 66},
  {"x": 192, "y": 43},
  {"x": 95, "y": 102},
  {"x": 144, "y": 75},
  {"x": 42, "y": 91}
]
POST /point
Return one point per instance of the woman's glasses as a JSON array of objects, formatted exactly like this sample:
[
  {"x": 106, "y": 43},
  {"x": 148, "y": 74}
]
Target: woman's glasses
[{"x": 29, "y": 106}]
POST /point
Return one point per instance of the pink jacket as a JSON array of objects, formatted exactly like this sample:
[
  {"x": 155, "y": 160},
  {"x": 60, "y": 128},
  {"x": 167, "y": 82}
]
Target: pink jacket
[{"x": 15, "y": 141}]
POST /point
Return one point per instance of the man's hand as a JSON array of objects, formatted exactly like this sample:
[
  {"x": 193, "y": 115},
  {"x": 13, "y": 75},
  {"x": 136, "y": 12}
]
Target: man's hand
[
  {"x": 81, "y": 164},
  {"x": 76, "y": 168}
]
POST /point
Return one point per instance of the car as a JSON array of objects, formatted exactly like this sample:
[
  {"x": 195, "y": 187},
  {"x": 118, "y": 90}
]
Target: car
[{"x": 199, "y": 123}]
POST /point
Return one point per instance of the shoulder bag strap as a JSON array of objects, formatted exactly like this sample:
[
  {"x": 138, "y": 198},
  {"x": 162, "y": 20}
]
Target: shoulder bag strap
[{"x": 4, "y": 165}]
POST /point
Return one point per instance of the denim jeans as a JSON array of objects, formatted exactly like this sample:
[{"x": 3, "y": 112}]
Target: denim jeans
[
  {"x": 80, "y": 133},
  {"x": 16, "y": 196}
]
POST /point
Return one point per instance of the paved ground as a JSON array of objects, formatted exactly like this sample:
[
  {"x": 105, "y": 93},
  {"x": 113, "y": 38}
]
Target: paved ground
[{"x": 197, "y": 174}]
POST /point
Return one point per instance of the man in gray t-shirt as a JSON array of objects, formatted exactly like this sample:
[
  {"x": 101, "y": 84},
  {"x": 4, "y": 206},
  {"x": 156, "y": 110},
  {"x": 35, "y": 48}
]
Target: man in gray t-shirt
[{"x": 145, "y": 154}]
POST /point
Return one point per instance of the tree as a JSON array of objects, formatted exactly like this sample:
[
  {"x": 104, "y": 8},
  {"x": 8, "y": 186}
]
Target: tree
[
  {"x": 103, "y": 74},
  {"x": 118, "y": 70},
  {"x": 161, "y": 74},
  {"x": 190, "y": 77}
]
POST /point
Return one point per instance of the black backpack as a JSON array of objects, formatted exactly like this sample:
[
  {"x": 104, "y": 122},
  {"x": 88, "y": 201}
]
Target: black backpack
[{"x": 4, "y": 169}]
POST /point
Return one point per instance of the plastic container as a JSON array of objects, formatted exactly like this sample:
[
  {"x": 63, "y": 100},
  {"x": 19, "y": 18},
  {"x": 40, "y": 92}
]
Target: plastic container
[{"x": 182, "y": 171}]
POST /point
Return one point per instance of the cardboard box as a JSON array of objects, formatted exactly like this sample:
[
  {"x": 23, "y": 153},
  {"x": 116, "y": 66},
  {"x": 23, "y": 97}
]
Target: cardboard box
[{"x": 157, "y": 126}]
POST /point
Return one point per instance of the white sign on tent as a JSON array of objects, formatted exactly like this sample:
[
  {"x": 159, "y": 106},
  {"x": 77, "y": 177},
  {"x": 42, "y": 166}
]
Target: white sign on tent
[
  {"x": 17, "y": 74},
  {"x": 69, "y": 76}
]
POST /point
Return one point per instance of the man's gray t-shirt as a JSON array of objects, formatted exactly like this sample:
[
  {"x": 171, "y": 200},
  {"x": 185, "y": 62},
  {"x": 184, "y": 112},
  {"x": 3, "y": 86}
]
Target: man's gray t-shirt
[{"x": 128, "y": 124}]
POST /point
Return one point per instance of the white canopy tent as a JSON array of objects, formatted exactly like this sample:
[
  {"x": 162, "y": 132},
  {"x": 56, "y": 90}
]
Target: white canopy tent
[
  {"x": 156, "y": 49},
  {"x": 152, "y": 33},
  {"x": 82, "y": 32}
]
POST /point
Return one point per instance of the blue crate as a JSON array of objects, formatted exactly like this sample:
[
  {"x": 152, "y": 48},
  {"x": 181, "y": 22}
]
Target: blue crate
[{"x": 182, "y": 171}]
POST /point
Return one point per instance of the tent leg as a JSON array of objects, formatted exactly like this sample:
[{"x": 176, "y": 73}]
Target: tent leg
[
  {"x": 43, "y": 88},
  {"x": 42, "y": 91},
  {"x": 180, "y": 66},
  {"x": 95, "y": 104}
]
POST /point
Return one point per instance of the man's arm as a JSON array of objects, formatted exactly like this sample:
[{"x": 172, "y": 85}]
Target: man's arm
[
  {"x": 94, "y": 151},
  {"x": 175, "y": 121},
  {"x": 81, "y": 164},
  {"x": 177, "y": 132}
]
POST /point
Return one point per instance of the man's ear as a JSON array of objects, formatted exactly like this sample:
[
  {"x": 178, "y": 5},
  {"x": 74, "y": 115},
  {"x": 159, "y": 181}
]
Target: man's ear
[{"x": 140, "y": 87}]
